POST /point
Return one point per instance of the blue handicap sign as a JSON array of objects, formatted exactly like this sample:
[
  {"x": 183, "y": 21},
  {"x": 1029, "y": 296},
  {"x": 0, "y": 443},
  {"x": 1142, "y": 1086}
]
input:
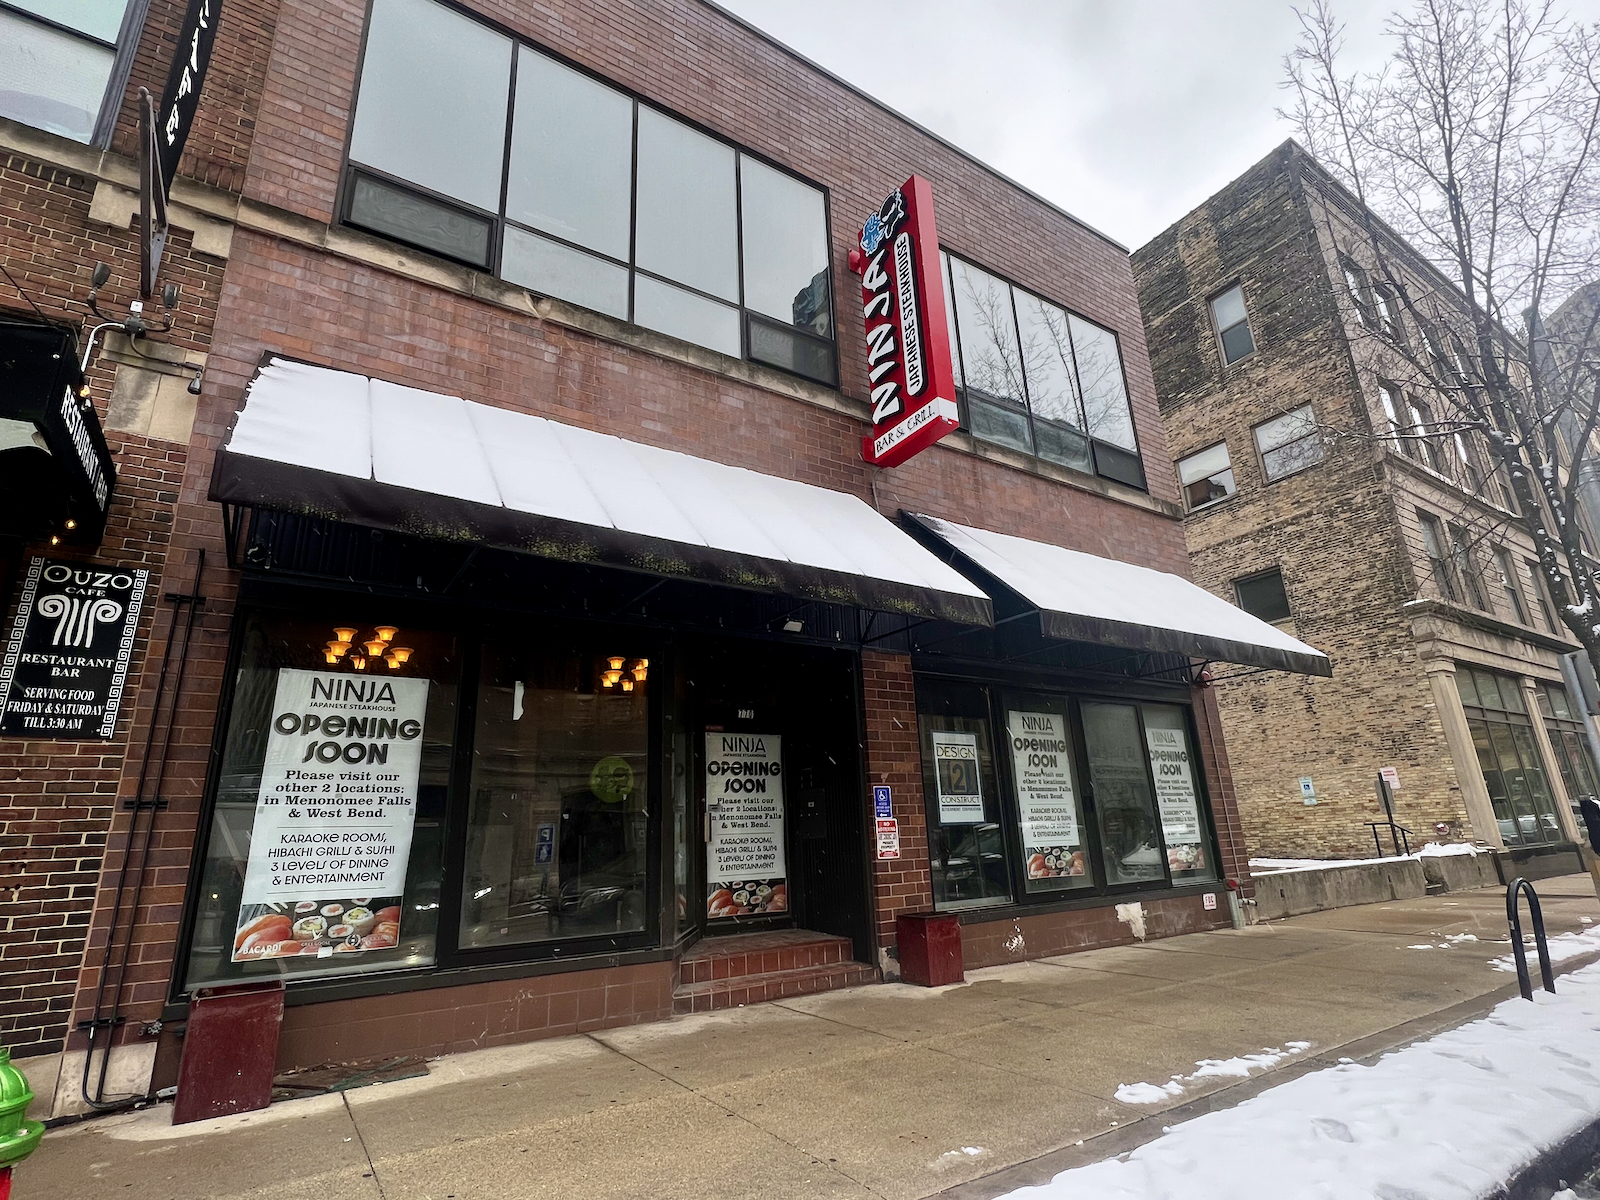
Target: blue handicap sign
[{"x": 881, "y": 807}]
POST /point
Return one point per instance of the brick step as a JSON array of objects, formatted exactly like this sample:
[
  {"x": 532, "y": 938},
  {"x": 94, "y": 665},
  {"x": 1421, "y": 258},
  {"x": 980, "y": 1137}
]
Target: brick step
[
  {"x": 736, "y": 955},
  {"x": 712, "y": 994}
]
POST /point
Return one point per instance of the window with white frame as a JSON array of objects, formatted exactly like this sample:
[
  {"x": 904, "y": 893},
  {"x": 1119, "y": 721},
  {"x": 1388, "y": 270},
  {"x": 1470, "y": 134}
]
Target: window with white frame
[
  {"x": 1232, "y": 325},
  {"x": 1355, "y": 281},
  {"x": 1206, "y": 477},
  {"x": 474, "y": 146},
  {"x": 58, "y": 60},
  {"x": 1393, "y": 403},
  {"x": 1289, "y": 443}
]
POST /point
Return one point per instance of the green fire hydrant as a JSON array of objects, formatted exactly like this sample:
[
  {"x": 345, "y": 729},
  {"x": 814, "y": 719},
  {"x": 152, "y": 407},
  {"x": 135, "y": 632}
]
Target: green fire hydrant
[{"x": 19, "y": 1137}]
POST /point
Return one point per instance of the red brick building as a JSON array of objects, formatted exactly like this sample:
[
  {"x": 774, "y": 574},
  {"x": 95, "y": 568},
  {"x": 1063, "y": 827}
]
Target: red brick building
[{"x": 534, "y": 649}]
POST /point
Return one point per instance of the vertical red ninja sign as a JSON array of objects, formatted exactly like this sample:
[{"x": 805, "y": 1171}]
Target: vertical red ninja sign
[{"x": 908, "y": 335}]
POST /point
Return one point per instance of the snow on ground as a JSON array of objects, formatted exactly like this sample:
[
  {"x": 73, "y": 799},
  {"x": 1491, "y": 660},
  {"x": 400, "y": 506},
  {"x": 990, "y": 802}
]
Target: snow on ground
[
  {"x": 1451, "y": 1118},
  {"x": 1276, "y": 866},
  {"x": 1209, "y": 1068},
  {"x": 1562, "y": 947}
]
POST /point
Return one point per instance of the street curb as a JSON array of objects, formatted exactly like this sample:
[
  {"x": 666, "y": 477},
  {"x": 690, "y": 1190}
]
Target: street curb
[{"x": 1563, "y": 1162}]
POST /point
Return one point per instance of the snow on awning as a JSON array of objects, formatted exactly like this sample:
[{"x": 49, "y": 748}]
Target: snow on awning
[
  {"x": 1086, "y": 598},
  {"x": 345, "y": 447}
]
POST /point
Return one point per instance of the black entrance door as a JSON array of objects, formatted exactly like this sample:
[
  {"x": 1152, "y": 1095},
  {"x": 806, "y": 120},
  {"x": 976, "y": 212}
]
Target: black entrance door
[{"x": 807, "y": 698}]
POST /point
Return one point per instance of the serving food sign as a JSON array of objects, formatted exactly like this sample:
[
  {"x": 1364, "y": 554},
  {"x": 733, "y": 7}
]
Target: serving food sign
[
  {"x": 334, "y": 814},
  {"x": 909, "y": 367},
  {"x": 745, "y": 866}
]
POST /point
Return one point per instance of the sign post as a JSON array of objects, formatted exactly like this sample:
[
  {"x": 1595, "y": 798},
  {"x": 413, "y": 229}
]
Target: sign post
[{"x": 909, "y": 366}]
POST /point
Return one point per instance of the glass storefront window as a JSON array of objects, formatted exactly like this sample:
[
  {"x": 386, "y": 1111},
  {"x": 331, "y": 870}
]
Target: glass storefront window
[
  {"x": 1118, "y": 771},
  {"x": 1173, "y": 765},
  {"x": 1508, "y": 755},
  {"x": 1564, "y": 722},
  {"x": 966, "y": 840},
  {"x": 558, "y": 826},
  {"x": 1055, "y": 853},
  {"x": 311, "y": 824}
]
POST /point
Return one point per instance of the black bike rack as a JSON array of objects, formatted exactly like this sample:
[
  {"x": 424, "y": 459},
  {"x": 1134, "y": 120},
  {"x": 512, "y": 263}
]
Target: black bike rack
[{"x": 1514, "y": 919}]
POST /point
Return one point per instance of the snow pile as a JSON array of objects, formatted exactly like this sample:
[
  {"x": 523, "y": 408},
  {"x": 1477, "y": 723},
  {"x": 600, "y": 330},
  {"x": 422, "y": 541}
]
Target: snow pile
[
  {"x": 1209, "y": 1068},
  {"x": 1277, "y": 866},
  {"x": 1451, "y": 941},
  {"x": 1451, "y": 1118},
  {"x": 1562, "y": 947}
]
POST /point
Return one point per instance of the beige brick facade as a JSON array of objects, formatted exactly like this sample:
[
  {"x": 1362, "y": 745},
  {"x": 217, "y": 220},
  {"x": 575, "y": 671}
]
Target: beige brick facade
[{"x": 1345, "y": 533}]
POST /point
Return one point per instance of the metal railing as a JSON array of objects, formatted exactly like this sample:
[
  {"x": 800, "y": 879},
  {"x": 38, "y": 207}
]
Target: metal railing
[
  {"x": 1514, "y": 919},
  {"x": 1399, "y": 836}
]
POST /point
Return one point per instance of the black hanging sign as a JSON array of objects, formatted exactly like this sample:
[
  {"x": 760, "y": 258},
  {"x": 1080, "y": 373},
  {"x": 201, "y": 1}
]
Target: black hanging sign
[
  {"x": 184, "y": 80},
  {"x": 66, "y": 662}
]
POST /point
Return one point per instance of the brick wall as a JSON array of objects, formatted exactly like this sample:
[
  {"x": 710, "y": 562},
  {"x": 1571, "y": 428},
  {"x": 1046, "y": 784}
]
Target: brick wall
[
  {"x": 1342, "y": 533},
  {"x": 894, "y": 757},
  {"x": 285, "y": 291},
  {"x": 58, "y": 799}
]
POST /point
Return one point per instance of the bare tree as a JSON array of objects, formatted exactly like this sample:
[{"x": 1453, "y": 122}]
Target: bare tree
[{"x": 1478, "y": 144}]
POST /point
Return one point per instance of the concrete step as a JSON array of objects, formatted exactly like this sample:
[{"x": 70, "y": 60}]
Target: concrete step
[{"x": 730, "y": 992}]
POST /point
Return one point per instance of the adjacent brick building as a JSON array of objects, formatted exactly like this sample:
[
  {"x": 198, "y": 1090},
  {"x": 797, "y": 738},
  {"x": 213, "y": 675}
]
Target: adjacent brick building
[
  {"x": 531, "y": 426},
  {"x": 1320, "y": 496}
]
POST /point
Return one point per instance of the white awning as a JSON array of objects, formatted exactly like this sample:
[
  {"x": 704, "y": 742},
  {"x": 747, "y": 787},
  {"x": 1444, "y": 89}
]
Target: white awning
[
  {"x": 1086, "y": 598},
  {"x": 345, "y": 447}
]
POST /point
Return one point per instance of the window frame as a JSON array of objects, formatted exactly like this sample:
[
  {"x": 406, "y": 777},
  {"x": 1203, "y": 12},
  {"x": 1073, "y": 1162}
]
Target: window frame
[
  {"x": 1466, "y": 567},
  {"x": 1511, "y": 585},
  {"x": 473, "y": 630},
  {"x": 1098, "y": 447},
  {"x": 1232, "y": 491},
  {"x": 1221, "y": 334},
  {"x": 1436, "y": 547},
  {"x": 123, "y": 51},
  {"x": 1358, "y": 285},
  {"x": 1283, "y": 587},
  {"x": 1490, "y": 717},
  {"x": 351, "y": 170},
  {"x": 1003, "y": 693},
  {"x": 1261, "y": 454}
]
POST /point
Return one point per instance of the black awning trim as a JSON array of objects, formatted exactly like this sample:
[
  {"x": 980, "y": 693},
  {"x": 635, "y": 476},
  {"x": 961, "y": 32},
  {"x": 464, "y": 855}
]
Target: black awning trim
[{"x": 286, "y": 487}]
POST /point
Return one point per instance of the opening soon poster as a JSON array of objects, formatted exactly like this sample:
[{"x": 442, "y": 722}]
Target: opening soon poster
[
  {"x": 746, "y": 871},
  {"x": 334, "y": 814},
  {"x": 1041, "y": 761}
]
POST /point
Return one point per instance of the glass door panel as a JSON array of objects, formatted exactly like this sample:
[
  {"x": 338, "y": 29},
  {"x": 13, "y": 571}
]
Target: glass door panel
[{"x": 1119, "y": 772}]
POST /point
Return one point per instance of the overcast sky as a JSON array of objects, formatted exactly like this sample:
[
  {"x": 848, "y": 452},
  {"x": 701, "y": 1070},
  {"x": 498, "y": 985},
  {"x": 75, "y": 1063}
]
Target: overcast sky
[{"x": 1127, "y": 113}]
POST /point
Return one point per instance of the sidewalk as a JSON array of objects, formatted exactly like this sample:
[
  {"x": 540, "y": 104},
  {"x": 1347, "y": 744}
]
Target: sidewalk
[{"x": 889, "y": 1091}]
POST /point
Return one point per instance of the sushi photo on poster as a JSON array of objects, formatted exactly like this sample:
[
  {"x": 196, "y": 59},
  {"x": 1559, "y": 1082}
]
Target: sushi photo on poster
[{"x": 334, "y": 816}]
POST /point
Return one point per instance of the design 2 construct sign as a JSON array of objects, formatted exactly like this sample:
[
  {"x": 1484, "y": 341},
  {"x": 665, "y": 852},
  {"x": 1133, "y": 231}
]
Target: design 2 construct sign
[{"x": 908, "y": 334}]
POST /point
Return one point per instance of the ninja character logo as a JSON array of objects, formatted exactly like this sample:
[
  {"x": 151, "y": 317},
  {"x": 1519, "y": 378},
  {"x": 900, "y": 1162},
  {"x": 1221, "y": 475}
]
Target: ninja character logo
[{"x": 882, "y": 224}]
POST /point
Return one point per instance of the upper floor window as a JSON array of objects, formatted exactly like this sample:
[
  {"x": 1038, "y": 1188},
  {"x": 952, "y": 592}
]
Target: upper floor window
[
  {"x": 56, "y": 63},
  {"x": 1355, "y": 281},
  {"x": 1289, "y": 443},
  {"x": 1233, "y": 325},
  {"x": 1206, "y": 477},
  {"x": 1038, "y": 378},
  {"x": 1466, "y": 566},
  {"x": 1388, "y": 314},
  {"x": 1393, "y": 402},
  {"x": 1439, "y": 564},
  {"x": 1467, "y": 464},
  {"x": 574, "y": 189},
  {"x": 1263, "y": 595},
  {"x": 1541, "y": 593},
  {"x": 1510, "y": 586},
  {"x": 1422, "y": 426}
]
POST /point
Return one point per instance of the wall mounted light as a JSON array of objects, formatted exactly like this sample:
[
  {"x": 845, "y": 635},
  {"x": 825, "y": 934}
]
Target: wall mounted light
[
  {"x": 386, "y": 632},
  {"x": 641, "y": 669},
  {"x": 338, "y": 649},
  {"x": 627, "y": 685},
  {"x": 400, "y": 653},
  {"x": 345, "y": 634},
  {"x": 377, "y": 647},
  {"x": 616, "y": 663}
]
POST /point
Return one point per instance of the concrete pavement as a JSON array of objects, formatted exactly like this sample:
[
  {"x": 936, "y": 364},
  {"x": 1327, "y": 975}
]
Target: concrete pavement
[{"x": 888, "y": 1091}]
